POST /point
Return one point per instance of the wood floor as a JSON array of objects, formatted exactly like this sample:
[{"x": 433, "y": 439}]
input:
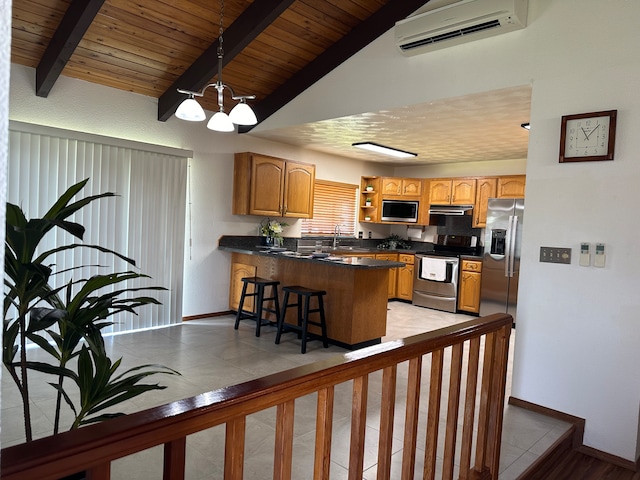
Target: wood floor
[{"x": 575, "y": 465}]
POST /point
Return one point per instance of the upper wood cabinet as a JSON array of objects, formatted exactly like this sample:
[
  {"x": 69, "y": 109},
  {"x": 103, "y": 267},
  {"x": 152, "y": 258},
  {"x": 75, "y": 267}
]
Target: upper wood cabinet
[
  {"x": 402, "y": 187},
  {"x": 270, "y": 186},
  {"x": 485, "y": 189},
  {"x": 511, "y": 187},
  {"x": 452, "y": 191}
]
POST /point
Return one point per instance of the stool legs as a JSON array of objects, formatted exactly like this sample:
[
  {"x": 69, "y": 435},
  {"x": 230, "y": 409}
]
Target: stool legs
[
  {"x": 285, "y": 301},
  {"x": 303, "y": 297},
  {"x": 259, "y": 307},
  {"x": 241, "y": 305}
]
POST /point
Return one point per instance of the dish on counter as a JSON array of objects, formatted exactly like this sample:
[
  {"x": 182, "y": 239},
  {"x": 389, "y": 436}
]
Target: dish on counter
[
  {"x": 272, "y": 249},
  {"x": 319, "y": 255}
]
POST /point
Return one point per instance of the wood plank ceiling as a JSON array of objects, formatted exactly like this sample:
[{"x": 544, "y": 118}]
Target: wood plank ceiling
[{"x": 274, "y": 49}]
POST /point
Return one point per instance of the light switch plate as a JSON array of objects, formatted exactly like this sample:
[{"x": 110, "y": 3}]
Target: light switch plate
[{"x": 555, "y": 255}]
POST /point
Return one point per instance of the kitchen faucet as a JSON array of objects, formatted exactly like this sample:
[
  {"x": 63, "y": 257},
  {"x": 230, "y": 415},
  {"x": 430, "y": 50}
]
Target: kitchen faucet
[{"x": 336, "y": 234}]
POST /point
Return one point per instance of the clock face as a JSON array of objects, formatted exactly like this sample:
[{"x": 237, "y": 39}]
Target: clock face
[{"x": 587, "y": 137}]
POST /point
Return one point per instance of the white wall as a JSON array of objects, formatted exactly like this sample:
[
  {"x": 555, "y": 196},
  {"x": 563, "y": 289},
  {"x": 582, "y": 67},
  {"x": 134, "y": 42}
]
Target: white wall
[{"x": 577, "y": 342}]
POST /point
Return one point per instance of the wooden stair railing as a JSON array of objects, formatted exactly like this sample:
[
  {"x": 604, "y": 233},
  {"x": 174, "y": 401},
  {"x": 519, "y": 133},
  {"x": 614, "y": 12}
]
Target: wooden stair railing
[{"x": 481, "y": 383}]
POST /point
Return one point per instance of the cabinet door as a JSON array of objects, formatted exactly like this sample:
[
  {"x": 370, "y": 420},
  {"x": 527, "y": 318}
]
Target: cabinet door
[
  {"x": 391, "y": 186},
  {"x": 267, "y": 185},
  {"x": 485, "y": 189},
  {"x": 411, "y": 187},
  {"x": 511, "y": 187},
  {"x": 404, "y": 287},
  {"x": 393, "y": 272},
  {"x": 238, "y": 272},
  {"x": 463, "y": 191},
  {"x": 469, "y": 296},
  {"x": 440, "y": 192},
  {"x": 299, "y": 180}
]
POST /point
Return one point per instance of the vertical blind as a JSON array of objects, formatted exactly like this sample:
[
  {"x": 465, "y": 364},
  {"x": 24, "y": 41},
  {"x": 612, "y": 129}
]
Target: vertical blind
[
  {"x": 145, "y": 221},
  {"x": 334, "y": 204}
]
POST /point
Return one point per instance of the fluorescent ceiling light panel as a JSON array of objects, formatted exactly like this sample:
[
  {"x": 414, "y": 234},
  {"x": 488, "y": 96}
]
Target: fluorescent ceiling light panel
[{"x": 377, "y": 148}]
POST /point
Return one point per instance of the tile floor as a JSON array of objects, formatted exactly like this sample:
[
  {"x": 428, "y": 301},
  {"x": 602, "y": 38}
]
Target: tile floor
[{"x": 211, "y": 354}]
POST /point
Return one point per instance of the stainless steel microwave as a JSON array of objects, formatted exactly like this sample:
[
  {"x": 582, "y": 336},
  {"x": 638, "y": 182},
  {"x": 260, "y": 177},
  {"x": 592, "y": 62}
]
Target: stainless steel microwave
[{"x": 404, "y": 211}]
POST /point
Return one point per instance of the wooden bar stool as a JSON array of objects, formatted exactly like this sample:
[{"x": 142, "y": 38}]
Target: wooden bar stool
[
  {"x": 259, "y": 306},
  {"x": 303, "y": 299}
]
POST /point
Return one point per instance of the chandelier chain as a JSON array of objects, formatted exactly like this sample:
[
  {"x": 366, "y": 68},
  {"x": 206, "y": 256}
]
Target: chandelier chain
[{"x": 220, "y": 50}]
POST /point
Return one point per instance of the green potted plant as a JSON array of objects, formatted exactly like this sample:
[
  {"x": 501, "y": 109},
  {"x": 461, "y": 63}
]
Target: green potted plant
[
  {"x": 66, "y": 322},
  {"x": 393, "y": 242}
]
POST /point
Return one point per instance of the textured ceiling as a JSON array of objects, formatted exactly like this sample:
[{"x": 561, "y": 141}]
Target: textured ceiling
[{"x": 476, "y": 127}]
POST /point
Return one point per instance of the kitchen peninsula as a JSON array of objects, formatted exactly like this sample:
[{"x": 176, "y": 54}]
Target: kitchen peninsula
[{"x": 356, "y": 300}]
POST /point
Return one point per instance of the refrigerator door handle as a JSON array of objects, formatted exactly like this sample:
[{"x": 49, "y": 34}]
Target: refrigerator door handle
[
  {"x": 507, "y": 249},
  {"x": 512, "y": 244}
]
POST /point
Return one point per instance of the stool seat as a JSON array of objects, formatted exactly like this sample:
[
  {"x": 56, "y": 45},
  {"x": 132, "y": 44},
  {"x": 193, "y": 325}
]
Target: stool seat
[
  {"x": 259, "y": 306},
  {"x": 304, "y": 294}
]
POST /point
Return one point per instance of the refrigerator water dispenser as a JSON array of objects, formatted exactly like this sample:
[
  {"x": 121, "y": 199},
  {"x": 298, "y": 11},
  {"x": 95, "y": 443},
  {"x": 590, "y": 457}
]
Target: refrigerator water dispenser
[{"x": 498, "y": 241}]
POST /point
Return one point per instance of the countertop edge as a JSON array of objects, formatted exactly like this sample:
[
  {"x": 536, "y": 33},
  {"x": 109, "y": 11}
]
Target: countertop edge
[{"x": 363, "y": 263}]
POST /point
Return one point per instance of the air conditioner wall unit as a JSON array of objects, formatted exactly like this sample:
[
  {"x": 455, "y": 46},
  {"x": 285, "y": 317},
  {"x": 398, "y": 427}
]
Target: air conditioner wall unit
[{"x": 457, "y": 22}]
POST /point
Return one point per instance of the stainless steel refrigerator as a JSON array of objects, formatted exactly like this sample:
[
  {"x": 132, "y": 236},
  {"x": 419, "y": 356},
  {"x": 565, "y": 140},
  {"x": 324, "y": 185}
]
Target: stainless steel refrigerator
[{"x": 501, "y": 262}]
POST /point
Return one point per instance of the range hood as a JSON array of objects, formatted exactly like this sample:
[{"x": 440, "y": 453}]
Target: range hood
[{"x": 452, "y": 210}]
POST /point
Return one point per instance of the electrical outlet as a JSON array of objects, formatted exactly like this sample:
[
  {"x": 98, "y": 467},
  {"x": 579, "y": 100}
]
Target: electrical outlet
[{"x": 555, "y": 255}]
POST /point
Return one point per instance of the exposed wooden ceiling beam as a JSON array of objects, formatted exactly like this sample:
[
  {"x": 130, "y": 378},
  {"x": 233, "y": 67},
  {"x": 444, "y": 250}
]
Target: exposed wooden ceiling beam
[
  {"x": 258, "y": 16},
  {"x": 350, "y": 44},
  {"x": 72, "y": 28}
]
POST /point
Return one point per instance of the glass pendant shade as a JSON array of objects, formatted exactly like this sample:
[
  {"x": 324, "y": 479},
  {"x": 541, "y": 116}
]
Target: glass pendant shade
[
  {"x": 191, "y": 111},
  {"x": 242, "y": 114},
  {"x": 220, "y": 122}
]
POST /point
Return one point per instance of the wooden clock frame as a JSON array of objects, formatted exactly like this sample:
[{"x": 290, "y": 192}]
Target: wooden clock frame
[{"x": 612, "y": 114}]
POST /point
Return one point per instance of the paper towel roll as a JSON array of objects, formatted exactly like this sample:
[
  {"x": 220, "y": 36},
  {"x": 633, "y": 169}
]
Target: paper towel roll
[{"x": 414, "y": 232}]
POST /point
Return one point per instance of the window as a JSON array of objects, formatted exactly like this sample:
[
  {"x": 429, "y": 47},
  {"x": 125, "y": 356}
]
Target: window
[
  {"x": 144, "y": 222},
  {"x": 334, "y": 204}
]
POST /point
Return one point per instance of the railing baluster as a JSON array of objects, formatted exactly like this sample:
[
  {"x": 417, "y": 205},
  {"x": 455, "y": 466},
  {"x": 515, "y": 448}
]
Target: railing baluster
[
  {"x": 496, "y": 402},
  {"x": 455, "y": 378},
  {"x": 433, "y": 414},
  {"x": 469, "y": 408},
  {"x": 324, "y": 428},
  {"x": 174, "y": 458},
  {"x": 411, "y": 418},
  {"x": 234, "y": 449},
  {"x": 358, "y": 426},
  {"x": 485, "y": 397},
  {"x": 387, "y": 410},
  {"x": 283, "y": 452}
]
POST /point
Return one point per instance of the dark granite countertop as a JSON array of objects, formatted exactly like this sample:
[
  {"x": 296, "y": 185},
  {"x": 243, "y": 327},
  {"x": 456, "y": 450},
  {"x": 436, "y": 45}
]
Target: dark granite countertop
[{"x": 341, "y": 260}]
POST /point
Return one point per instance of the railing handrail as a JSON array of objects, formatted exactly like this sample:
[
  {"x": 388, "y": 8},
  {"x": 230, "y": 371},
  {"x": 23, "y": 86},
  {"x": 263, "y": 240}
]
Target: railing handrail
[{"x": 78, "y": 450}]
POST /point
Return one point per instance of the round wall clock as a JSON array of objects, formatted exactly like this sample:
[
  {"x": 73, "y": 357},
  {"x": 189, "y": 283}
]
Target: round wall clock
[{"x": 588, "y": 137}]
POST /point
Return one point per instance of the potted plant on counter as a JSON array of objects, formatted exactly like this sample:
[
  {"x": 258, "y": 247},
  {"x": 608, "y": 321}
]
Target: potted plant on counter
[
  {"x": 66, "y": 322},
  {"x": 392, "y": 242}
]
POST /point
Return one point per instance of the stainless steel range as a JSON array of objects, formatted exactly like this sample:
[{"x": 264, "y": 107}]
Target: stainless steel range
[{"x": 435, "y": 284}]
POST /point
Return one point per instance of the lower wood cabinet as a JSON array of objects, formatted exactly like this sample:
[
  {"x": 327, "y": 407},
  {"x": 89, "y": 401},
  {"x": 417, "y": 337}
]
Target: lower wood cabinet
[
  {"x": 238, "y": 272},
  {"x": 393, "y": 272},
  {"x": 404, "y": 282},
  {"x": 469, "y": 289}
]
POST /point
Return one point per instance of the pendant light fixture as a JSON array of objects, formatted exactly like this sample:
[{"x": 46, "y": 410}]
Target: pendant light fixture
[{"x": 241, "y": 114}]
